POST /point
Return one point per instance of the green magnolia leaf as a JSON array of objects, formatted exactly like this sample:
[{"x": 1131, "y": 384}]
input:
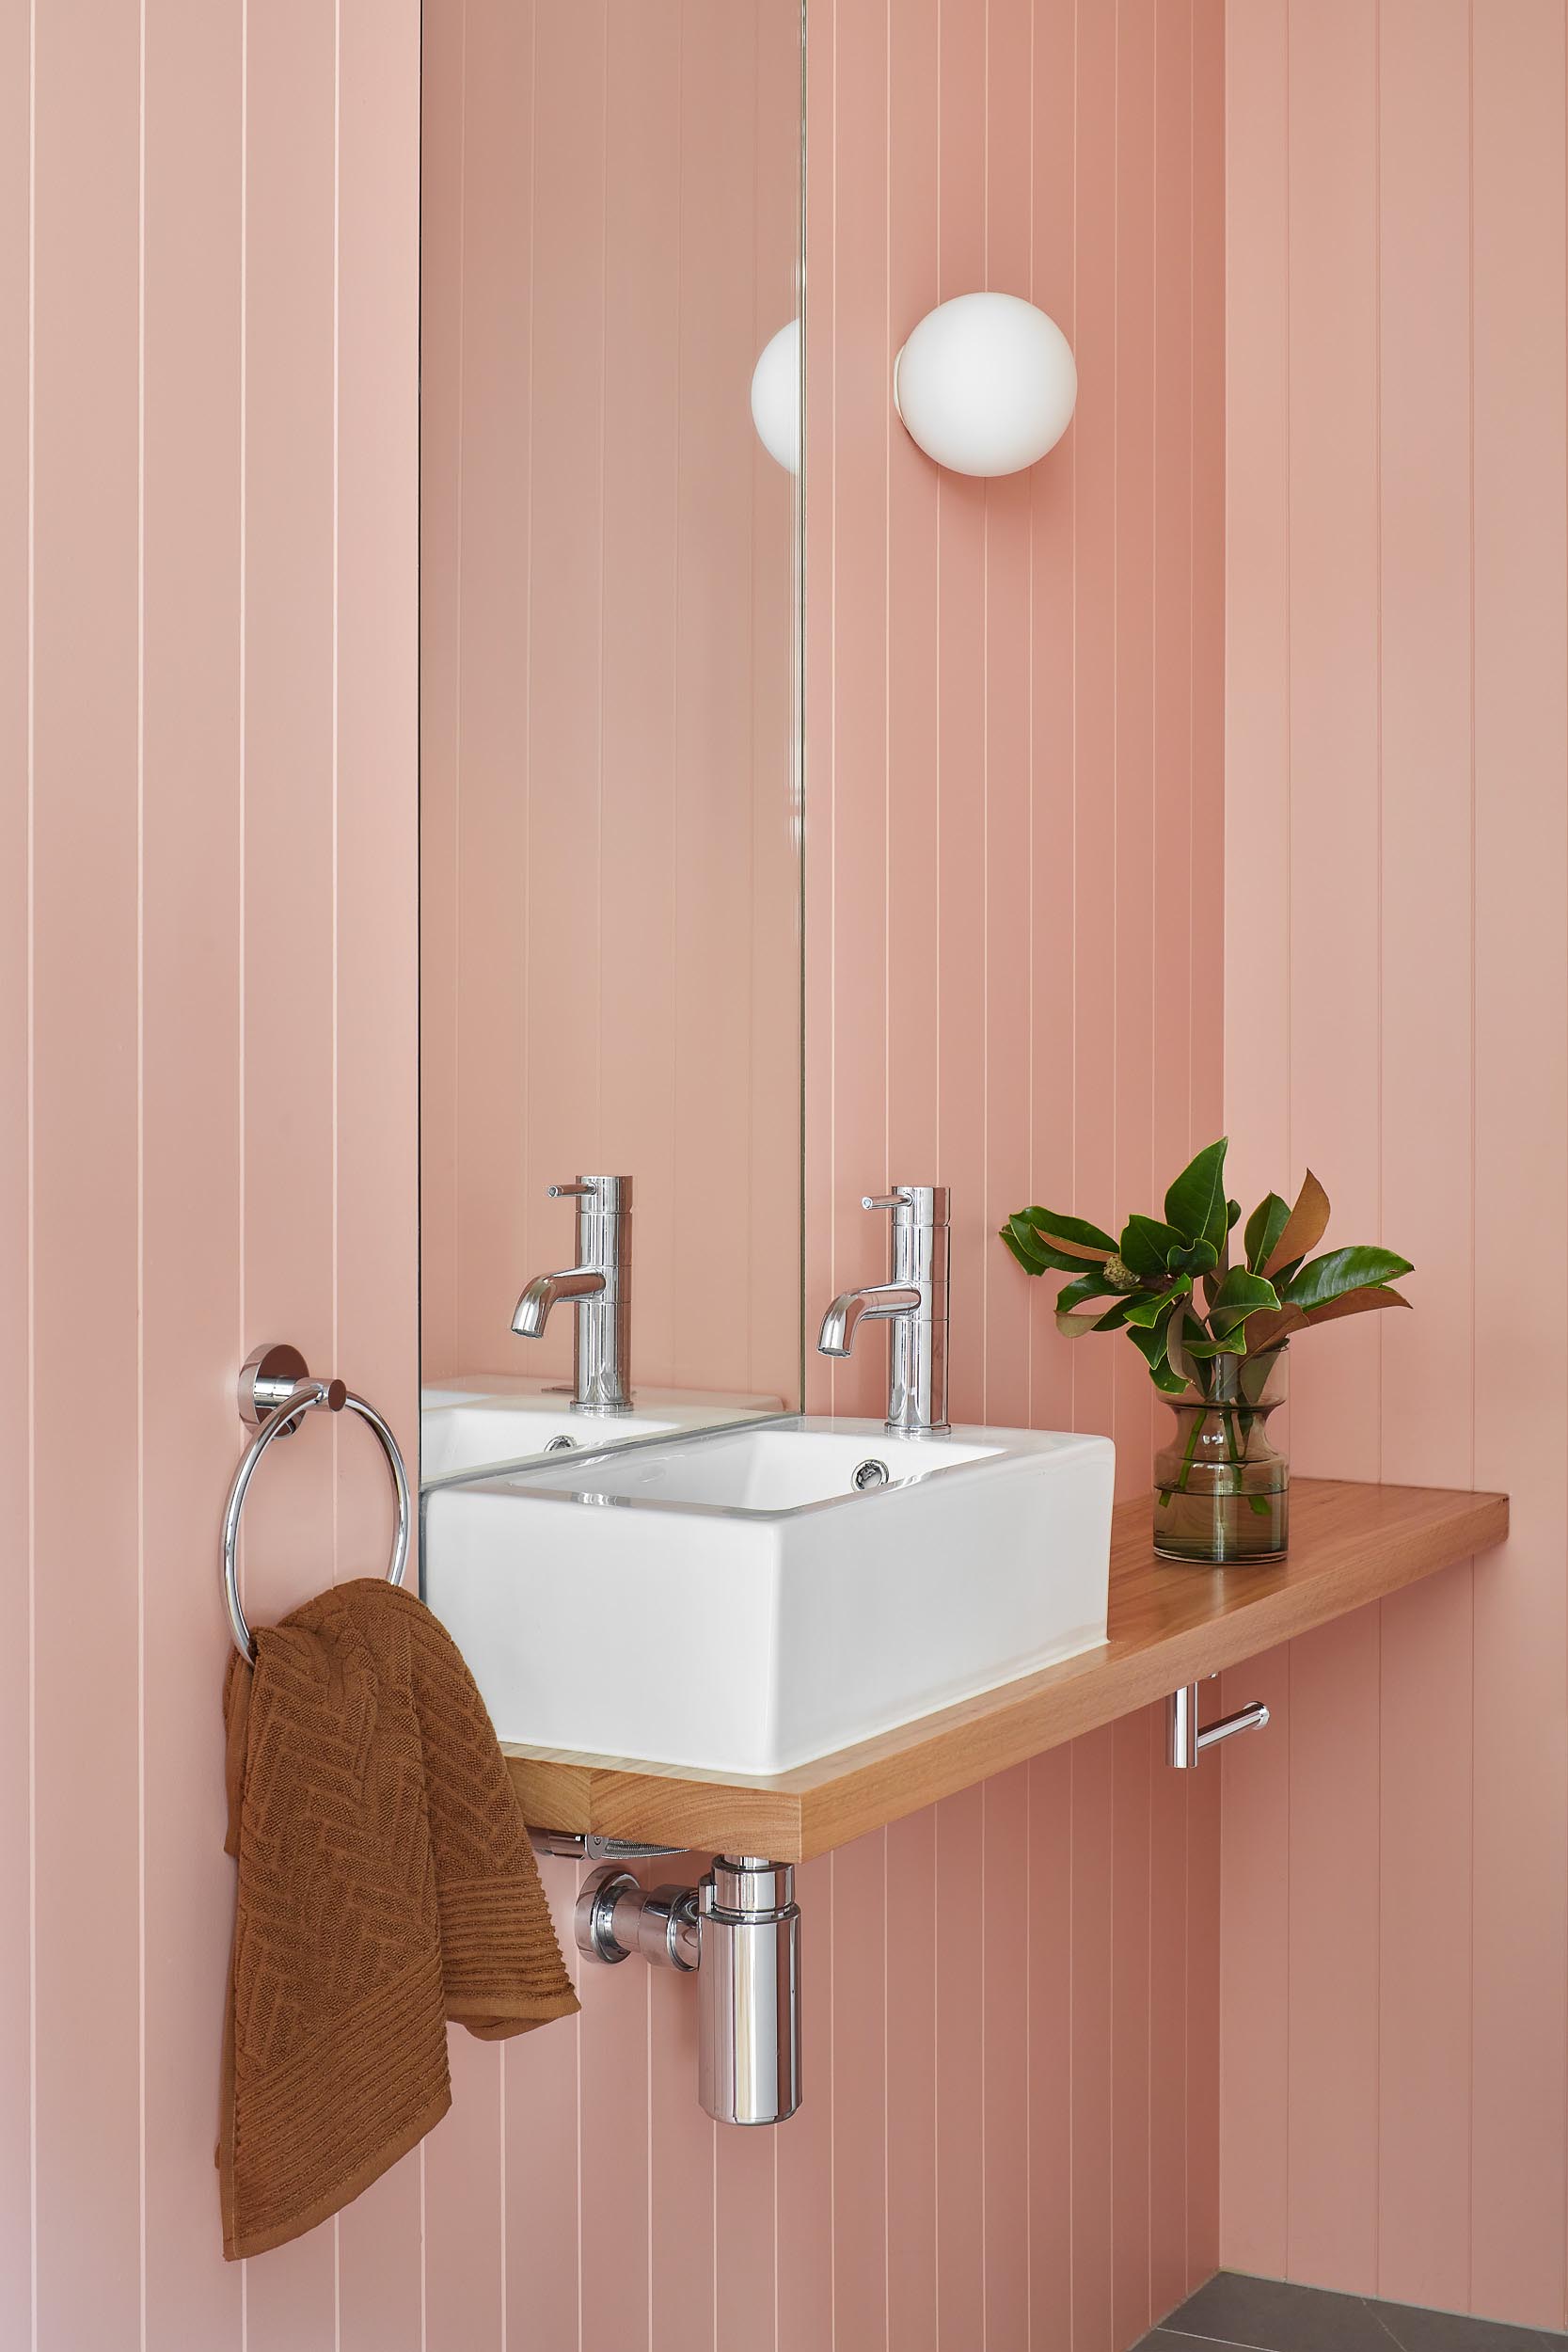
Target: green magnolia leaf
[
  {"x": 1263, "y": 1228},
  {"x": 1073, "y": 1326},
  {"x": 1145, "y": 1245},
  {"x": 1079, "y": 1292},
  {"x": 1149, "y": 1344},
  {"x": 1149, "y": 1308},
  {"x": 1199, "y": 1257},
  {"x": 1154, "y": 1345},
  {"x": 1231, "y": 1343},
  {"x": 1198, "y": 1195},
  {"x": 1241, "y": 1294},
  {"x": 1075, "y": 1235},
  {"x": 1035, "y": 1254},
  {"x": 1032, "y": 1260},
  {"x": 1340, "y": 1271},
  {"x": 1304, "y": 1228},
  {"x": 1152, "y": 1235},
  {"x": 1232, "y": 1214},
  {"x": 1179, "y": 1351}
]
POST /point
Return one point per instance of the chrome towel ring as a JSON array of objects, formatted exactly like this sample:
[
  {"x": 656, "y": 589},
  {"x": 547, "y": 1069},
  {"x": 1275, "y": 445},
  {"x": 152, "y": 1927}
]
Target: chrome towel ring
[{"x": 275, "y": 1392}]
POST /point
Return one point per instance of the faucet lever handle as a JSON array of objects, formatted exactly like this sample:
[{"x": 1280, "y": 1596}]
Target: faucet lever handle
[
  {"x": 899, "y": 1199},
  {"x": 611, "y": 1192}
]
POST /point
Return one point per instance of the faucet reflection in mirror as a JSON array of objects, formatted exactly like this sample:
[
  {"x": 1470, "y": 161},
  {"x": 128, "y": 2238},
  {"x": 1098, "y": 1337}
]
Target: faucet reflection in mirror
[{"x": 599, "y": 1287}]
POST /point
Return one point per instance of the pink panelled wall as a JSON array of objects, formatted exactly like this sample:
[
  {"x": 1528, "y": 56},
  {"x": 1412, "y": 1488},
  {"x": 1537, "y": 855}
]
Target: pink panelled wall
[
  {"x": 207, "y": 444},
  {"x": 1010, "y": 2134},
  {"x": 207, "y": 711},
  {"x": 1396, "y": 1851},
  {"x": 1013, "y": 987},
  {"x": 609, "y": 906}
]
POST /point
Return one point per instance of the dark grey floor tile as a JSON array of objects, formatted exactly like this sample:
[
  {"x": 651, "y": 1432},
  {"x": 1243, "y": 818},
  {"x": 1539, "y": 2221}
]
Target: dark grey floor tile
[
  {"x": 1161, "y": 2339},
  {"x": 1267, "y": 2316},
  {"x": 1448, "y": 2331}
]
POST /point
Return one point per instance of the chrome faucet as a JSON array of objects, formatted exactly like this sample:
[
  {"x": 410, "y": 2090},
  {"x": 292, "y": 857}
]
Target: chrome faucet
[
  {"x": 914, "y": 1301},
  {"x": 599, "y": 1286}
]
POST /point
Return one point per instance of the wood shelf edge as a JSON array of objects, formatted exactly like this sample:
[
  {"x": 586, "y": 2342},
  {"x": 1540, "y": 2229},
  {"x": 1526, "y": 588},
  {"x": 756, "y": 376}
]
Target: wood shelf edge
[{"x": 1168, "y": 1626}]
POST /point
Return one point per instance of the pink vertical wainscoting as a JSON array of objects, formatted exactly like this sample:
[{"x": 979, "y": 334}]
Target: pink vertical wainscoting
[
  {"x": 1014, "y": 962},
  {"x": 1010, "y": 2132},
  {"x": 207, "y": 699},
  {"x": 1395, "y": 2108}
]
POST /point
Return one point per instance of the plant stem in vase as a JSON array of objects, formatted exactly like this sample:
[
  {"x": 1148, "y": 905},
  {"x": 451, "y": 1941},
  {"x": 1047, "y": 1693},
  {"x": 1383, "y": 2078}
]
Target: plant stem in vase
[{"x": 1221, "y": 1491}]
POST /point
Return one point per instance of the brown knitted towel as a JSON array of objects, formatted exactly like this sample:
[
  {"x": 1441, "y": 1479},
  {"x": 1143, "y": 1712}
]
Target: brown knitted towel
[{"x": 386, "y": 1883}]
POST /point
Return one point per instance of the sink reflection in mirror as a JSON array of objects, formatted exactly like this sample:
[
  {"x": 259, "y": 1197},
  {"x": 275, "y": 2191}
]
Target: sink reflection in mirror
[
  {"x": 769, "y": 1602},
  {"x": 494, "y": 1423}
]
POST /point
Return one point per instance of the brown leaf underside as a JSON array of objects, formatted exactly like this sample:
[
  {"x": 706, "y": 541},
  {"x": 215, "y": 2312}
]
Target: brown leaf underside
[
  {"x": 1303, "y": 1227},
  {"x": 1266, "y": 1331},
  {"x": 1088, "y": 1251}
]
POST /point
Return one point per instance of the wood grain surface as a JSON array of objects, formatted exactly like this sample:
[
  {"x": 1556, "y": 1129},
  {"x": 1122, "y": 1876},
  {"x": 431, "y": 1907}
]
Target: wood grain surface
[{"x": 1350, "y": 1544}]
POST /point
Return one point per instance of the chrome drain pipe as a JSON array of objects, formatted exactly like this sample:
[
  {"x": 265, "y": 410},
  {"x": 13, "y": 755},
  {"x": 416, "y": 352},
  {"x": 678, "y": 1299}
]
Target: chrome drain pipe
[{"x": 739, "y": 1932}]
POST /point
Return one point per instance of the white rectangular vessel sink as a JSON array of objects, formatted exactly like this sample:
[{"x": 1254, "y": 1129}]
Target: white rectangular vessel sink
[
  {"x": 467, "y": 1428},
  {"x": 745, "y": 1600}
]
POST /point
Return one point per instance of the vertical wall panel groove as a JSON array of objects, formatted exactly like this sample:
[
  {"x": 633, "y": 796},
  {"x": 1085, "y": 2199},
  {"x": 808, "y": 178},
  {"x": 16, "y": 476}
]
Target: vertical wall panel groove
[
  {"x": 17, "y": 1575},
  {"x": 191, "y": 1019},
  {"x": 1396, "y": 1887},
  {"x": 86, "y": 851},
  {"x": 290, "y": 492}
]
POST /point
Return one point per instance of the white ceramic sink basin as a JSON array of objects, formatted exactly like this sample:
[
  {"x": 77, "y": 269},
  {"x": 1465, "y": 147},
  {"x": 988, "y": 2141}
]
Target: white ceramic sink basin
[
  {"x": 733, "y": 1602},
  {"x": 494, "y": 1423}
]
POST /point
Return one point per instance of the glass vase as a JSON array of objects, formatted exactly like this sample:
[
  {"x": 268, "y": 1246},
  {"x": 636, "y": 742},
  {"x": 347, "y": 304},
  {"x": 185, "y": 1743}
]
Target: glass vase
[{"x": 1222, "y": 1492}]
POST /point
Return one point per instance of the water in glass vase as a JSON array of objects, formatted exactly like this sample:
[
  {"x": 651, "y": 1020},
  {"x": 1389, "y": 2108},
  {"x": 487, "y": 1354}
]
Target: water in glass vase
[{"x": 1222, "y": 1492}]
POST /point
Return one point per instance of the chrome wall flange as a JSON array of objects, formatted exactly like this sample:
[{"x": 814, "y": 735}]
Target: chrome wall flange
[
  {"x": 738, "y": 1931},
  {"x": 1187, "y": 1742}
]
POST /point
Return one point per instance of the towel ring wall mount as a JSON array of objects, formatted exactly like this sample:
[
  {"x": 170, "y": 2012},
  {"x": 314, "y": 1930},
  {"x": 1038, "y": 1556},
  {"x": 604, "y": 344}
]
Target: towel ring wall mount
[{"x": 275, "y": 1392}]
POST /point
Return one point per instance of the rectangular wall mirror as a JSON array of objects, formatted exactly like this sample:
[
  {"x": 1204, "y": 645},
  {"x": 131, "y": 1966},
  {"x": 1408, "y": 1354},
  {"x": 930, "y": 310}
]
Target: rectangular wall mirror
[{"x": 610, "y": 744}]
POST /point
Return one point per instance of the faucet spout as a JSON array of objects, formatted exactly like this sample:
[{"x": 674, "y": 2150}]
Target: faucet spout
[
  {"x": 877, "y": 1300},
  {"x": 912, "y": 1302},
  {"x": 547, "y": 1291}
]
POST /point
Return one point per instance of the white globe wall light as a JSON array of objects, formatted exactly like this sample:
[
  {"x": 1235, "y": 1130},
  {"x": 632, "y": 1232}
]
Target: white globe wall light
[
  {"x": 986, "y": 384},
  {"x": 776, "y": 397}
]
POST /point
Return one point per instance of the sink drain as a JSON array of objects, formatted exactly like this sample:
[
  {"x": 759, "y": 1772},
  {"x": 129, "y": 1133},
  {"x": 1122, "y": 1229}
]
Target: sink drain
[
  {"x": 561, "y": 1445},
  {"x": 870, "y": 1474}
]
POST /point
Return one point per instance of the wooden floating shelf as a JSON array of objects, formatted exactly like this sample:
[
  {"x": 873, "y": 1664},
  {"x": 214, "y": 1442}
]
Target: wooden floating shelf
[{"x": 1169, "y": 1626}]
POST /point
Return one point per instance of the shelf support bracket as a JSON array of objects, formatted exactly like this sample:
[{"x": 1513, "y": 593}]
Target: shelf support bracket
[{"x": 1186, "y": 1742}]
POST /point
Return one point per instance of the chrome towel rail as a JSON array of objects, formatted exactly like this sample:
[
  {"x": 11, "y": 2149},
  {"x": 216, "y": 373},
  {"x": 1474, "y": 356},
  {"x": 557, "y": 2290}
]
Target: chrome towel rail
[
  {"x": 1185, "y": 1742},
  {"x": 275, "y": 1392}
]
